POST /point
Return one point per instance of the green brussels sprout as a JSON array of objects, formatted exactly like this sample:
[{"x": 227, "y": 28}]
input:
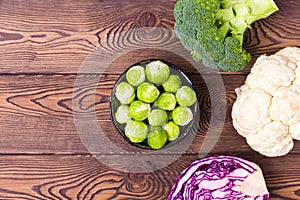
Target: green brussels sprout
[
  {"x": 147, "y": 92},
  {"x": 136, "y": 131},
  {"x": 157, "y": 138},
  {"x": 182, "y": 115},
  {"x": 135, "y": 75},
  {"x": 172, "y": 130},
  {"x": 186, "y": 96},
  {"x": 122, "y": 114},
  {"x": 172, "y": 84},
  {"x": 125, "y": 93},
  {"x": 157, "y": 72},
  {"x": 139, "y": 110},
  {"x": 158, "y": 117},
  {"x": 166, "y": 101}
]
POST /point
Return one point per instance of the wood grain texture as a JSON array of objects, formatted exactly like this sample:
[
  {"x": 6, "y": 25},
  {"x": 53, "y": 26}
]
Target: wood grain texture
[
  {"x": 31, "y": 36},
  {"x": 41, "y": 105},
  {"x": 37, "y": 112},
  {"x": 45, "y": 44},
  {"x": 68, "y": 30},
  {"x": 83, "y": 177}
]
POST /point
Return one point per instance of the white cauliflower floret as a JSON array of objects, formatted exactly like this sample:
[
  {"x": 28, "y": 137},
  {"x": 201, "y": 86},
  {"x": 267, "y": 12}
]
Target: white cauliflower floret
[
  {"x": 293, "y": 55},
  {"x": 295, "y": 130},
  {"x": 273, "y": 140},
  {"x": 271, "y": 72},
  {"x": 248, "y": 118},
  {"x": 267, "y": 109},
  {"x": 297, "y": 79},
  {"x": 285, "y": 105}
]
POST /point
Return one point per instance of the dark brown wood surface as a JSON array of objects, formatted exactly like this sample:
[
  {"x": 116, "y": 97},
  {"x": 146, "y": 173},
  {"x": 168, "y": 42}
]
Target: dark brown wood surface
[{"x": 43, "y": 46}]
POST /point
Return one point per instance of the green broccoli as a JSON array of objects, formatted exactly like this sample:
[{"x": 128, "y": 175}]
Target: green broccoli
[{"x": 213, "y": 30}]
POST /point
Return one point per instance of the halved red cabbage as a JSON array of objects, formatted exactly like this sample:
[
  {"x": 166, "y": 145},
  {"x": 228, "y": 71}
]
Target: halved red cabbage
[{"x": 222, "y": 177}]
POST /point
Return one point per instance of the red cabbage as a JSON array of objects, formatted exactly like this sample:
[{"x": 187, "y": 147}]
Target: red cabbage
[{"x": 222, "y": 177}]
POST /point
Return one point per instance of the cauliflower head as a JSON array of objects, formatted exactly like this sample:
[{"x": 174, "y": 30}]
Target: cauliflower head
[{"x": 267, "y": 109}]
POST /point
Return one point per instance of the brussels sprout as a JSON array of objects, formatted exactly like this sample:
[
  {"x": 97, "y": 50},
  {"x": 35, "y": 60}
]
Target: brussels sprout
[
  {"x": 166, "y": 101},
  {"x": 157, "y": 72},
  {"x": 136, "y": 131},
  {"x": 182, "y": 115},
  {"x": 147, "y": 92},
  {"x": 172, "y": 130},
  {"x": 158, "y": 117},
  {"x": 135, "y": 75},
  {"x": 122, "y": 114},
  {"x": 186, "y": 96},
  {"x": 157, "y": 138},
  {"x": 125, "y": 93},
  {"x": 139, "y": 110},
  {"x": 172, "y": 84}
]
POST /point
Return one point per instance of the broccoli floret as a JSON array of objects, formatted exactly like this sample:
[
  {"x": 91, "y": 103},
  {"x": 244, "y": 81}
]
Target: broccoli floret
[{"x": 213, "y": 30}]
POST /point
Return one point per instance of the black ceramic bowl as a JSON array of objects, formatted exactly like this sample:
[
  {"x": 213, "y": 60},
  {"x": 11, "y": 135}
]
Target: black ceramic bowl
[{"x": 114, "y": 104}]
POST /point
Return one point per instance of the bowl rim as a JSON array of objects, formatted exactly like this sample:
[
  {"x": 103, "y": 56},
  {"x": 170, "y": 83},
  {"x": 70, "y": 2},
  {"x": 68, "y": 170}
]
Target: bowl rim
[{"x": 187, "y": 127}]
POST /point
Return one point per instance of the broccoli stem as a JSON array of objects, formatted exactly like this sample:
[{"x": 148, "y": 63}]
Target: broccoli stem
[{"x": 235, "y": 16}]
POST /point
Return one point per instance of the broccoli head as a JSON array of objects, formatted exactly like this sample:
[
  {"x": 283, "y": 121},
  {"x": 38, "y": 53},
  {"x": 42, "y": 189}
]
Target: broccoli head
[{"x": 213, "y": 30}]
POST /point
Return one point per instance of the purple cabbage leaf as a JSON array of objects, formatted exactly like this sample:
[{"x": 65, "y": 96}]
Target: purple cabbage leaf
[{"x": 222, "y": 177}]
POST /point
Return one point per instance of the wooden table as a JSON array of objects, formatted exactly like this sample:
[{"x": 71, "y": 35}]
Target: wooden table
[{"x": 43, "y": 45}]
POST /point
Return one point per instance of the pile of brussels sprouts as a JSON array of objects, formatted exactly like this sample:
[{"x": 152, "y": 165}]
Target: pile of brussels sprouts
[{"x": 153, "y": 104}]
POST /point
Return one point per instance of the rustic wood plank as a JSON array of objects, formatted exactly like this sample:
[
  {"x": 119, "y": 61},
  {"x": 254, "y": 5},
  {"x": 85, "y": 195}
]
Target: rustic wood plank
[
  {"x": 31, "y": 36},
  {"x": 44, "y": 38},
  {"x": 83, "y": 177},
  {"x": 37, "y": 114},
  {"x": 37, "y": 111},
  {"x": 51, "y": 95},
  {"x": 43, "y": 44}
]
